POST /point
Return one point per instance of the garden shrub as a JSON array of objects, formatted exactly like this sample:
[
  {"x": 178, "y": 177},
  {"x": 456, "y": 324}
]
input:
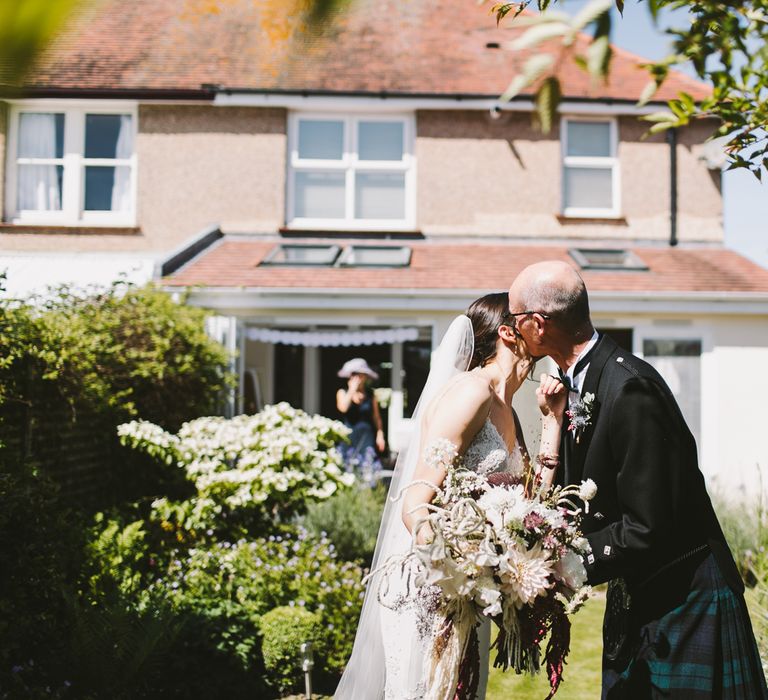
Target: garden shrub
[
  {"x": 249, "y": 472},
  {"x": 284, "y": 630},
  {"x": 746, "y": 529},
  {"x": 351, "y": 521},
  {"x": 38, "y": 541}
]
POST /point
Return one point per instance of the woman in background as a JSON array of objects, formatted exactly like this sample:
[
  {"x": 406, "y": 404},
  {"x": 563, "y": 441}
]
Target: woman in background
[{"x": 357, "y": 404}]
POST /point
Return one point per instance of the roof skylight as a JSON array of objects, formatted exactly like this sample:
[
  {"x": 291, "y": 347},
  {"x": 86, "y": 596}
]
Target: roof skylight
[{"x": 607, "y": 259}]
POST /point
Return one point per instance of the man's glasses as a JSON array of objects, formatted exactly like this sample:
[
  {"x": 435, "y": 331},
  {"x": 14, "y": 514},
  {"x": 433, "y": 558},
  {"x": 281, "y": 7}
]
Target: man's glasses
[{"x": 529, "y": 313}]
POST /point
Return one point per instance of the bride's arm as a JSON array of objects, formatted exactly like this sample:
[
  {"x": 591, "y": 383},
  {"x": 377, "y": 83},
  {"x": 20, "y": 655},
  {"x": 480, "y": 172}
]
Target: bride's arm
[
  {"x": 552, "y": 397},
  {"x": 457, "y": 418}
]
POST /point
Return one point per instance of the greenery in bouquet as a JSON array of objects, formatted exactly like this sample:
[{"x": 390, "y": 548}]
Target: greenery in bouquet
[{"x": 248, "y": 472}]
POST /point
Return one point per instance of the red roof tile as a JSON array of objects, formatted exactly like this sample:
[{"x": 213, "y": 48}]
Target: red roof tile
[
  {"x": 398, "y": 46},
  {"x": 473, "y": 266}
]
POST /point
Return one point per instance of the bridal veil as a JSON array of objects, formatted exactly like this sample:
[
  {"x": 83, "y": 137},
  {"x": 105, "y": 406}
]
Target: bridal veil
[{"x": 364, "y": 677}]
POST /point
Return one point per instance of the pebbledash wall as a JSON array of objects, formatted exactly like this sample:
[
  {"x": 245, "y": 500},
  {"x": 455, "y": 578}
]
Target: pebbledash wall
[
  {"x": 502, "y": 177},
  {"x": 200, "y": 165}
]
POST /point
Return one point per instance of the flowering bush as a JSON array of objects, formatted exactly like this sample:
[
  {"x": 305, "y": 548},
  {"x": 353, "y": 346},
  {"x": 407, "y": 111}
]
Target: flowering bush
[{"x": 246, "y": 470}]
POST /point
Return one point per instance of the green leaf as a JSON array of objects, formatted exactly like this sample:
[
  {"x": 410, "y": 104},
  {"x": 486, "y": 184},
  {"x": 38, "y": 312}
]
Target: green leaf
[
  {"x": 590, "y": 13},
  {"x": 547, "y": 102},
  {"x": 620, "y": 7},
  {"x": 648, "y": 92},
  {"x": 534, "y": 68},
  {"x": 539, "y": 33},
  {"x": 598, "y": 56},
  {"x": 660, "y": 117}
]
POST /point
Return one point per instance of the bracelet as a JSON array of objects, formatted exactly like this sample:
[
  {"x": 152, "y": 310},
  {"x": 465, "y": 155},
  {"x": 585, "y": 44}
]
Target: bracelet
[{"x": 548, "y": 461}]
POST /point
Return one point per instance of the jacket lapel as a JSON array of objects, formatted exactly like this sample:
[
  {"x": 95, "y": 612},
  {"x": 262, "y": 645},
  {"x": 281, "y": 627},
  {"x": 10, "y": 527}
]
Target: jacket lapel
[{"x": 604, "y": 350}]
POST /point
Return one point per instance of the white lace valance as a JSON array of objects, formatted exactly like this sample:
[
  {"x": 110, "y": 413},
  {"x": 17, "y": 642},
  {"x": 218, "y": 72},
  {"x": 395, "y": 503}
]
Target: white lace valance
[{"x": 315, "y": 339}]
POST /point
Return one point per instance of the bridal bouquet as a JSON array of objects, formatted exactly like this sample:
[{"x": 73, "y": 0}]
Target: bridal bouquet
[{"x": 500, "y": 546}]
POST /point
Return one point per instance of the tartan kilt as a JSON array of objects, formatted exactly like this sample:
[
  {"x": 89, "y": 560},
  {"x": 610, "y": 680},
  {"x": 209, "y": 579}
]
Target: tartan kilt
[{"x": 699, "y": 645}]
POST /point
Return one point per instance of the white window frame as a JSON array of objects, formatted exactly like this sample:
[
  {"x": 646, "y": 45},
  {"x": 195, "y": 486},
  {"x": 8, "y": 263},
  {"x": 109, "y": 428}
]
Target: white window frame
[
  {"x": 601, "y": 162},
  {"x": 72, "y": 211},
  {"x": 351, "y": 165}
]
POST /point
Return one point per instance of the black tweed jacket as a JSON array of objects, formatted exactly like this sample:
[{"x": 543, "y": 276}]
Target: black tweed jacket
[{"x": 651, "y": 506}]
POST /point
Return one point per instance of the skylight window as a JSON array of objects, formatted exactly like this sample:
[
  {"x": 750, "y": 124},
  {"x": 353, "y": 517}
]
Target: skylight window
[
  {"x": 375, "y": 256},
  {"x": 607, "y": 259},
  {"x": 301, "y": 255}
]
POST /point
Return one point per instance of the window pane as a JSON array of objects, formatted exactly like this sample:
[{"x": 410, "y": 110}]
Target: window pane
[
  {"x": 41, "y": 135},
  {"x": 321, "y": 139},
  {"x": 588, "y": 188},
  {"x": 380, "y": 196},
  {"x": 319, "y": 195},
  {"x": 380, "y": 141},
  {"x": 107, "y": 188},
  {"x": 108, "y": 136},
  {"x": 39, "y": 187},
  {"x": 679, "y": 363},
  {"x": 589, "y": 139}
]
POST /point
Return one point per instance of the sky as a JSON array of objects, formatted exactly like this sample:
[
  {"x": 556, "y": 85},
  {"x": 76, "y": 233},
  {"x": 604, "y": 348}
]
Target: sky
[{"x": 745, "y": 200}]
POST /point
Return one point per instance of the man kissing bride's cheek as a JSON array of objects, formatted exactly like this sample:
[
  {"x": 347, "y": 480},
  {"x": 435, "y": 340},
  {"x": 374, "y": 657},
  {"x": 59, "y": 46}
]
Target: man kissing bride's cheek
[{"x": 477, "y": 530}]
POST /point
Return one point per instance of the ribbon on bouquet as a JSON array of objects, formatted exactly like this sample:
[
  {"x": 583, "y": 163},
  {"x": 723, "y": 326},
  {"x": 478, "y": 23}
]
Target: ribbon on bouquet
[{"x": 452, "y": 661}]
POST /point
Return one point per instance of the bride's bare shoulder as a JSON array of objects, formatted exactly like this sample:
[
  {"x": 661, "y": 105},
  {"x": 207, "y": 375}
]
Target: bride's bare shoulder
[{"x": 466, "y": 394}]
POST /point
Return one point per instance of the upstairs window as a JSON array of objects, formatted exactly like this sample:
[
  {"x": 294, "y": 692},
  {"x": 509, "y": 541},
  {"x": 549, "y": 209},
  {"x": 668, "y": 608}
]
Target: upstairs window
[
  {"x": 352, "y": 172},
  {"x": 72, "y": 166},
  {"x": 590, "y": 168}
]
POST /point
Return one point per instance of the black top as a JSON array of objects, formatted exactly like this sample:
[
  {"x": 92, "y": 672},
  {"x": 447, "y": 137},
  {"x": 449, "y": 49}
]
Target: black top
[{"x": 360, "y": 412}]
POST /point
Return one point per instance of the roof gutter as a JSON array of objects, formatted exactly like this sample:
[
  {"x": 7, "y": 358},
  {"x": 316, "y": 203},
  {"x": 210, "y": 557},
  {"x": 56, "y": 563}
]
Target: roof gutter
[
  {"x": 250, "y": 299},
  {"x": 400, "y": 101}
]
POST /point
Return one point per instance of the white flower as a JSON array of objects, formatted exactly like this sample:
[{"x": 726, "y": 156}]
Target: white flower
[
  {"x": 441, "y": 454},
  {"x": 570, "y": 570},
  {"x": 525, "y": 574},
  {"x": 587, "y": 490},
  {"x": 504, "y": 506},
  {"x": 581, "y": 544},
  {"x": 488, "y": 595}
]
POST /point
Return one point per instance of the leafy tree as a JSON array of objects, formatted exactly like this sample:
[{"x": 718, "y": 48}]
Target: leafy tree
[
  {"x": 726, "y": 43},
  {"x": 26, "y": 28}
]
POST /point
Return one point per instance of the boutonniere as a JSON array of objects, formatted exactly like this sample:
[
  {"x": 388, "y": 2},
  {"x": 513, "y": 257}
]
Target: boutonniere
[{"x": 580, "y": 415}]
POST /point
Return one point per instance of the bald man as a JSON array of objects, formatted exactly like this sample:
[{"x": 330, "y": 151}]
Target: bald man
[{"x": 676, "y": 625}]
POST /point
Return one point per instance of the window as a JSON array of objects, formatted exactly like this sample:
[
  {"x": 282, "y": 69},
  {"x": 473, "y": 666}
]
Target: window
[
  {"x": 72, "y": 166},
  {"x": 679, "y": 362},
  {"x": 375, "y": 256},
  {"x": 607, "y": 259},
  {"x": 351, "y": 172},
  {"x": 590, "y": 168},
  {"x": 322, "y": 255},
  {"x": 301, "y": 255}
]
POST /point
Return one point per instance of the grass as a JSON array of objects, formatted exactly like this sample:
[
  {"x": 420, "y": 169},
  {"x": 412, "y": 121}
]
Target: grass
[{"x": 581, "y": 679}]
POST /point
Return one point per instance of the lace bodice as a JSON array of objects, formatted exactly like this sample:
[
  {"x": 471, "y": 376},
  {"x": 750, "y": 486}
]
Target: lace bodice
[{"x": 487, "y": 453}]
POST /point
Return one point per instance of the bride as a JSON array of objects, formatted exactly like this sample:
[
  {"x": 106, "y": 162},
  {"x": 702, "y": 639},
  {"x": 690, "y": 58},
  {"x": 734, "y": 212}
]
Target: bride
[{"x": 480, "y": 364}]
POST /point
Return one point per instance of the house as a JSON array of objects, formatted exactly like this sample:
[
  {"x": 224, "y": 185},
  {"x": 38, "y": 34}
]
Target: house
[{"x": 347, "y": 193}]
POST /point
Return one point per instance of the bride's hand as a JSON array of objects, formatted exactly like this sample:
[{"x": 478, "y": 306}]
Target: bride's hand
[{"x": 552, "y": 396}]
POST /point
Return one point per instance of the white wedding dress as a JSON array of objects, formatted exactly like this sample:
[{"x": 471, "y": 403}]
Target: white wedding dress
[
  {"x": 388, "y": 659},
  {"x": 406, "y": 620}
]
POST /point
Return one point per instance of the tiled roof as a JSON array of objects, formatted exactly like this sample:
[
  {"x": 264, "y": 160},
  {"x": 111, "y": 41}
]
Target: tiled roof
[
  {"x": 425, "y": 47},
  {"x": 234, "y": 263}
]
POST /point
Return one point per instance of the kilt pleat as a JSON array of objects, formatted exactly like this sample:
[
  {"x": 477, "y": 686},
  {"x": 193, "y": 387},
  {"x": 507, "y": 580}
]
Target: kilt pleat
[{"x": 703, "y": 648}]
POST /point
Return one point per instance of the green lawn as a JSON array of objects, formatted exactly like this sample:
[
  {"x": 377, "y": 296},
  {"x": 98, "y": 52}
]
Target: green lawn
[{"x": 581, "y": 680}]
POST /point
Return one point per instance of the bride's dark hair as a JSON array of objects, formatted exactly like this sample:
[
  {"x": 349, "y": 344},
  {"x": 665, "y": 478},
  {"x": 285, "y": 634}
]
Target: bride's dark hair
[{"x": 487, "y": 314}]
